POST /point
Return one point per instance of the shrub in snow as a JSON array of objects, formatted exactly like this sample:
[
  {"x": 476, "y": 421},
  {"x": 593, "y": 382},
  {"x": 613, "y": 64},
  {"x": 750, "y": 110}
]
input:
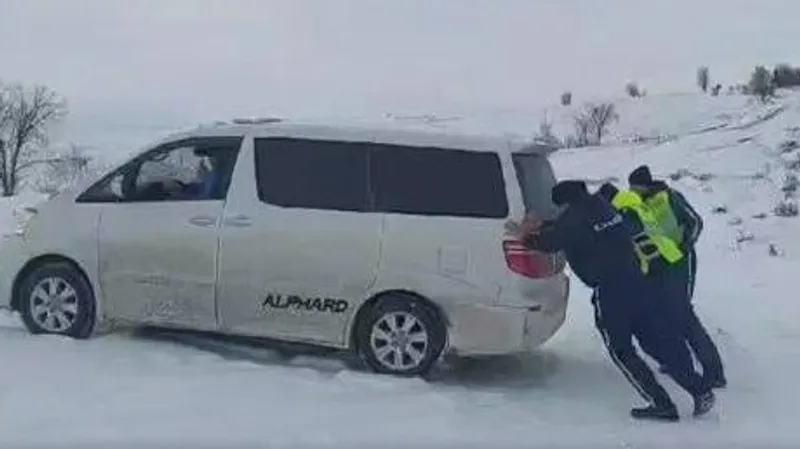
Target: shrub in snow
[
  {"x": 792, "y": 164},
  {"x": 703, "y": 78},
  {"x": 785, "y": 75},
  {"x": 792, "y": 129},
  {"x": 790, "y": 185},
  {"x": 761, "y": 84},
  {"x": 742, "y": 89},
  {"x": 786, "y": 208},
  {"x": 735, "y": 221},
  {"x": 715, "y": 90},
  {"x": 719, "y": 210},
  {"x": 633, "y": 90},
  {"x": 788, "y": 146},
  {"x": 760, "y": 216},
  {"x": 744, "y": 236},
  {"x": 704, "y": 177},
  {"x": 680, "y": 174},
  {"x": 774, "y": 251},
  {"x": 566, "y": 98}
]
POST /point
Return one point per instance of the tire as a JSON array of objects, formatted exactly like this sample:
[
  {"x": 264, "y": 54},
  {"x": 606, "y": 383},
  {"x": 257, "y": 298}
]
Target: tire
[
  {"x": 70, "y": 311},
  {"x": 418, "y": 346}
]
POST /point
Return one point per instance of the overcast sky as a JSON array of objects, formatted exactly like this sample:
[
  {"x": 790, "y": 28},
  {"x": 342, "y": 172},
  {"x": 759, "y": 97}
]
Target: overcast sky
[{"x": 166, "y": 60}]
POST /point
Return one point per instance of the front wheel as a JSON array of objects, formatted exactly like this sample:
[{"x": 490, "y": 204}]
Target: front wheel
[
  {"x": 55, "y": 298},
  {"x": 401, "y": 335}
]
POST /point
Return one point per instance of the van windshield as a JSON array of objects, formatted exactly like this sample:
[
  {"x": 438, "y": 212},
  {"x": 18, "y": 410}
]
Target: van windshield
[{"x": 536, "y": 179}]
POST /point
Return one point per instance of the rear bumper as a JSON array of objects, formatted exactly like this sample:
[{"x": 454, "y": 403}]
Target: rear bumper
[{"x": 481, "y": 330}]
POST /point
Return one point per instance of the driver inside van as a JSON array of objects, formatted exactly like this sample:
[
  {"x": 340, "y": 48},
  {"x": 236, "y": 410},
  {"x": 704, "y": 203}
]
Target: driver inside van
[{"x": 204, "y": 185}]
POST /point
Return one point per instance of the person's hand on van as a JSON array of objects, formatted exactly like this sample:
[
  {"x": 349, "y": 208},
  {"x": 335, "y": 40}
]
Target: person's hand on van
[
  {"x": 530, "y": 225},
  {"x": 512, "y": 227}
]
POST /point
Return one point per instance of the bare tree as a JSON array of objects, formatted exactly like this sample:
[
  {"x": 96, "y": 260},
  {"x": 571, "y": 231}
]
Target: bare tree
[
  {"x": 582, "y": 132},
  {"x": 26, "y": 116},
  {"x": 592, "y": 123},
  {"x": 703, "y": 78}
]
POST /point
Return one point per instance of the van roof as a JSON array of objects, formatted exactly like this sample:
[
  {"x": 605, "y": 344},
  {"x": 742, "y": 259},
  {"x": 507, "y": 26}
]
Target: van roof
[{"x": 364, "y": 131}]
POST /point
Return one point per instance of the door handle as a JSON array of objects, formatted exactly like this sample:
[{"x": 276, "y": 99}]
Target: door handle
[
  {"x": 204, "y": 221},
  {"x": 238, "y": 221}
]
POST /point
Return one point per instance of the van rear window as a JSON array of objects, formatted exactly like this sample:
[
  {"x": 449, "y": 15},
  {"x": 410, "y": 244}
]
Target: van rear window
[{"x": 536, "y": 179}]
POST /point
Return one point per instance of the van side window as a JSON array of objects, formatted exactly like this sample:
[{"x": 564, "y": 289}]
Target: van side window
[
  {"x": 435, "y": 181},
  {"x": 186, "y": 170},
  {"x": 313, "y": 174}
]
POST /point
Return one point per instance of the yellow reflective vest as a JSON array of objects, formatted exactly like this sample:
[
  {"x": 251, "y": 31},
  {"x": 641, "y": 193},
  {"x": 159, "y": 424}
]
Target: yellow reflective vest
[
  {"x": 661, "y": 209},
  {"x": 653, "y": 242}
]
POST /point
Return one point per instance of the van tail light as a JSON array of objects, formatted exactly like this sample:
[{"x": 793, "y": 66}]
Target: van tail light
[{"x": 526, "y": 262}]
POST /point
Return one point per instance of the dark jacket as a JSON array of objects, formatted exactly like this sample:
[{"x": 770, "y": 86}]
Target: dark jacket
[
  {"x": 687, "y": 217},
  {"x": 595, "y": 239}
]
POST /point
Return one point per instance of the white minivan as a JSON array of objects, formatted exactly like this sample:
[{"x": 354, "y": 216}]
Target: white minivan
[{"x": 387, "y": 242}]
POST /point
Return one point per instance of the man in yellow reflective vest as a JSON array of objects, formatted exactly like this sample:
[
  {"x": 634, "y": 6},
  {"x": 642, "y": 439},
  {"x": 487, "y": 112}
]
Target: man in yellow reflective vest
[
  {"x": 658, "y": 257},
  {"x": 680, "y": 222}
]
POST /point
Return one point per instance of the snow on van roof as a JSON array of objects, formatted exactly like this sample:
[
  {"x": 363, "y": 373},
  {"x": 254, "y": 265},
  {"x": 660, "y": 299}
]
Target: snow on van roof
[{"x": 417, "y": 131}]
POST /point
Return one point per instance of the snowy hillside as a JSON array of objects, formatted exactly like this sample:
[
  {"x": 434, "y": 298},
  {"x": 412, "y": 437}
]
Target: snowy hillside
[{"x": 728, "y": 156}]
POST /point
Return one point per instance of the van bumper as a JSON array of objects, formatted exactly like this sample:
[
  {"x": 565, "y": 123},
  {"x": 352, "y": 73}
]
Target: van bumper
[
  {"x": 485, "y": 330},
  {"x": 13, "y": 256}
]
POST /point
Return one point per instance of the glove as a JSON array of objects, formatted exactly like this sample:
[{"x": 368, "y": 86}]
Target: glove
[{"x": 530, "y": 225}]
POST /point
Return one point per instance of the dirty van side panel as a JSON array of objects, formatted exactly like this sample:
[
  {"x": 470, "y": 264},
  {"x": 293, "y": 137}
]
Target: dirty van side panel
[
  {"x": 445, "y": 211},
  {"x": 299, "y": 246}
]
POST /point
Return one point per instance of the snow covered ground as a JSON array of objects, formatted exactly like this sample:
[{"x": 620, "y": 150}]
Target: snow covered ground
[{"x": 132, "y": 390}]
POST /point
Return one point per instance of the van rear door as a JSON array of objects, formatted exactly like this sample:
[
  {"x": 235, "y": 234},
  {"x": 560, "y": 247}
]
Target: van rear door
[
  {"x": 537, "y": 275},
  {"x": 536, "y": 179}
]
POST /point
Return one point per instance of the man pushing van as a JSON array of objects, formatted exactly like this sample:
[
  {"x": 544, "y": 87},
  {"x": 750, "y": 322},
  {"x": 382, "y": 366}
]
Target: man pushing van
[{"x": 596, "y": 240}]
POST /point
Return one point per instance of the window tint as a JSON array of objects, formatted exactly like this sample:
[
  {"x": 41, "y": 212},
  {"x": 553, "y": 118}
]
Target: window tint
[
  {"x": 433, "y": 181},
  {"x": 312, "y": 174}
]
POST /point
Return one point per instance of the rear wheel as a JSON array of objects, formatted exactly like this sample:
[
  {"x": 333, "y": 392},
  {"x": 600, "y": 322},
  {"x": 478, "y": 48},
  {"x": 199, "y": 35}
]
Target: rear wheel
[
  {"x": 55, "y": 298},
  {"x": 401, "y": 335}
]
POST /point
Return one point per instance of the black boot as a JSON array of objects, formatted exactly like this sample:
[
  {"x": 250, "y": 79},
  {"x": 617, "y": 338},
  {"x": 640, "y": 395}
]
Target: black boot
[
  {"x": 656, "y": 412},
  {"x": 719, "y": 382},
  {"x": 704, "y": 403}
]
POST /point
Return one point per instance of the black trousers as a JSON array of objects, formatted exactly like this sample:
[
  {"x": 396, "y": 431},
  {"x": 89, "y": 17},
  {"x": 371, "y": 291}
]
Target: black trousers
[
  {"x": 622, "y": 313},
  {"x": 697, "y": 337}
]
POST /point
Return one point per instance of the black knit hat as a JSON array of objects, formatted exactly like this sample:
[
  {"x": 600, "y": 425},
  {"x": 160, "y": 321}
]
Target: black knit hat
[
  {"x": 568, "y": 192},
  {"x": 641, "y": 176},
  {"x": 608, "y": 191}
]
